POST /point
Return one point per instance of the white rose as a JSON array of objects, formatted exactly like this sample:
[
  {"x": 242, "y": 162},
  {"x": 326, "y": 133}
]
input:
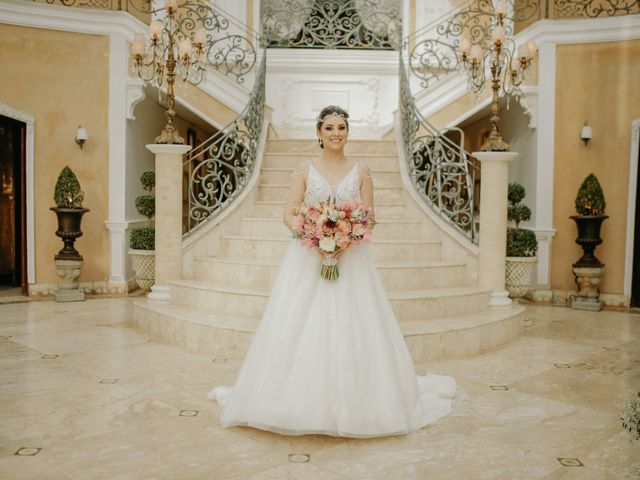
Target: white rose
[{"x": 327, "y": 244}]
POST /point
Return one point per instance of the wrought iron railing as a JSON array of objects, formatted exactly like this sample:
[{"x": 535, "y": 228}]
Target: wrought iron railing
[
  {"x": 219, "y": 169},
  {"x": 358, "y": 24},
  {"x": 441, "y": 171}
]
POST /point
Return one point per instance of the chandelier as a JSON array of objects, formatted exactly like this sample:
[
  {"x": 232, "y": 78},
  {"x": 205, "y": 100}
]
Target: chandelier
[
  {"x": 167, "y": 53},
  {"x": 501, "y": 65}
]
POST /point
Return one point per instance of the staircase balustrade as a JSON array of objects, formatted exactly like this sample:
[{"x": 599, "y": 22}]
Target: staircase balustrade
[
  {"x": 354, "y": 24},
  {"x": 219, "y": 169},
  {"x": 442, "y": 173}
]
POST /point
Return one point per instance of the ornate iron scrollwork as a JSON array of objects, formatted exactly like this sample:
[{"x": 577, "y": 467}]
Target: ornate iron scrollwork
[
  {"x": 220, "y": 168},
  {"x": 372, "y": 24},
  {"x": 595, "y": 8},
  {"x": 441, "y": 171}
]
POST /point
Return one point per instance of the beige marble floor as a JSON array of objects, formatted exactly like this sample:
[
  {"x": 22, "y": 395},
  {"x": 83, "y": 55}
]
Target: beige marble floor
[{"x": 83, "y": 396}]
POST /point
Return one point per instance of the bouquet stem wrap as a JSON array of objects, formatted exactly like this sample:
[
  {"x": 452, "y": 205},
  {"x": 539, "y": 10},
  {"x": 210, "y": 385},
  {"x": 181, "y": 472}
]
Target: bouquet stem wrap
[{"x": 329, "y": 269}]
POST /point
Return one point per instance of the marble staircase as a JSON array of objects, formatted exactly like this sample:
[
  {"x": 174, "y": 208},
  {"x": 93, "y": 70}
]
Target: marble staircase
[{"x": 429, "y": 279}]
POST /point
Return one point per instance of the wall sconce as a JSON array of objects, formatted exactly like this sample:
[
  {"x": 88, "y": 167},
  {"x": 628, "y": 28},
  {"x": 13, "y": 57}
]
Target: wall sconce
[
  {"x": 81, "y": 136},
  {"x": 586, "y": 133}
]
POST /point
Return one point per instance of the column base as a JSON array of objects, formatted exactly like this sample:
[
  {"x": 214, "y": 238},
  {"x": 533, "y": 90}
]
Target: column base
[
  {"x": 160, "y": 293},
  {"x": 500, "y": 300}
]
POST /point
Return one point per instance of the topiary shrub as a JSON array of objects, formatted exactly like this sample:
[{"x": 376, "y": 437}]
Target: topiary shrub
[
  {"x": 144, "y": 238},
  {"x": 67, "y": 193},
  {"x": 521, "y": 242},
  {"x": 590, "y": 198}
]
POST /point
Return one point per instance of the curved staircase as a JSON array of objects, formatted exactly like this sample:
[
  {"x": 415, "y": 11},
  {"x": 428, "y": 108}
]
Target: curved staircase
[{"x": 429, "y": 278}]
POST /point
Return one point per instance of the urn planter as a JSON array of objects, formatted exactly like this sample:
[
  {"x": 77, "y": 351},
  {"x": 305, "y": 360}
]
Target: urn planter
[
  {"x": 588, "y": 239},
  {"x": 144, "y": 266},
  {"x": 69, "y": 220},
  {"x": 519, "y": 273}
]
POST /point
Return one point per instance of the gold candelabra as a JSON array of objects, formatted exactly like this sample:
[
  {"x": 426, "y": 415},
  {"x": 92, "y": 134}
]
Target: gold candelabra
[
  {"x": 165, "y": 54},
  {"x": 506, "y": 69}
]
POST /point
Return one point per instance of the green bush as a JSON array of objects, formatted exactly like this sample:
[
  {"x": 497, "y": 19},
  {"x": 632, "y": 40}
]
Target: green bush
[
  {"x": 590, "y": 198},
  {"x": 521, "y": 243},
  {"x": 143, "y": 238},
  {"x": 148, "y": 180},
  {"x": 146, "y": 205},
  {"x": 67, "y": 193}
]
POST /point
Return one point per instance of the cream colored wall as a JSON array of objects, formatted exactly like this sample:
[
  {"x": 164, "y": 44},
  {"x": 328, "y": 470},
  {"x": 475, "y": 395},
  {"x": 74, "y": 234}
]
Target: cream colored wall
[
  {"x": 62, "y": 80},
  {"x": 597, "y": 83}
]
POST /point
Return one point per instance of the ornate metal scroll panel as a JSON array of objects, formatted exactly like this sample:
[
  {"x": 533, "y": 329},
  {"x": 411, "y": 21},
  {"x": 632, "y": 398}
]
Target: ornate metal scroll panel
[
  {"x": 355, "y": 24},
  {"x": 594, "y": 8},
  {"x": 441, "y": 171},
  {"x": 220, "y": 168}
]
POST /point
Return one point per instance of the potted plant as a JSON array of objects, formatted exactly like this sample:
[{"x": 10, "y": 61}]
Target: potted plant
[
  {"x": 68, "y": 197},
  {"x": 590, "y": 206},
  {"x": 522, "y": 245},
  {"x": 142, "y": 240}
]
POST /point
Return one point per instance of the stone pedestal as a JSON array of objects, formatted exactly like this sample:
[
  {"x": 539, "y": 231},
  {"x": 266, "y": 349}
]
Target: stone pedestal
[
  {"x": 168, "y": 219},
  {"x": 588, "y": 296},
  {"x": 494, "y": 184},
  {"x": 69, "y": 271}
]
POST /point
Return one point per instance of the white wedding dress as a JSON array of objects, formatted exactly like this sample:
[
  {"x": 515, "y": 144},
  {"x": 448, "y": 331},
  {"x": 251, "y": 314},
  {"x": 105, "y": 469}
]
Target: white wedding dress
[{"x": 328, "y": 356}]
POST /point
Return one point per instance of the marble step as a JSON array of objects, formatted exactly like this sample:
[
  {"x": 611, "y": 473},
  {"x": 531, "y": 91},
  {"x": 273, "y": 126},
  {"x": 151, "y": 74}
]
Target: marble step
[
  {"x": 375, "y": 161},
  {"x": 408, "y": 305},
  {"x": 381, "y": 178},
  {"x": 384, "y": 229},
  {"x": 228, "y": 336},
  {"x": 279, "y": 192},
  {"x": 384, "y": 210},
  {"x": 273, "y": 248},
  {"x": 310, "y": 146},
  {"x": 410, "y": 275}
]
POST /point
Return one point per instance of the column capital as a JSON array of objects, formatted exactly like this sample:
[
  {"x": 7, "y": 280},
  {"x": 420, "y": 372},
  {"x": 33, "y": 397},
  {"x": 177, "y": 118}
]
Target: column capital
[
  {"x": 166, "y": 148},
  {"x": 494, "y": 156}
]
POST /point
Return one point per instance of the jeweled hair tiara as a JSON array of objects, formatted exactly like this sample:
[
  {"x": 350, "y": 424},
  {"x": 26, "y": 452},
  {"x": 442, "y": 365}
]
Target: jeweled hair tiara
[{"x": 331, "y": 114}]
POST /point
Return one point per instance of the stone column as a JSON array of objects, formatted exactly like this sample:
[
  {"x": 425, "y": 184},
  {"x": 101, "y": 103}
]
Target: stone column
[
  {"x": 494, "y": 185},
  {"x": 168, "y": 219}
]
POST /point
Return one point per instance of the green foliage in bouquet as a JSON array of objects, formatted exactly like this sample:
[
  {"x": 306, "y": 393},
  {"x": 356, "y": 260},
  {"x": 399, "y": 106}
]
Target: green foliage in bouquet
[
  {"x": 631, "y": 417},
  {"x": 143, "y": 238},
  {"x": 521, "y": 242},
  {"x": 67, "y": 193},
  {"x": 590, "y": 198}
]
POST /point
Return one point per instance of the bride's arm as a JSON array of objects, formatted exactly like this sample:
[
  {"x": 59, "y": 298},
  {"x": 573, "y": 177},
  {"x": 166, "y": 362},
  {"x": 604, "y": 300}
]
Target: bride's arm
[
  {"x": 366, "y": 186},
  {"x": 296, "y": 195}
]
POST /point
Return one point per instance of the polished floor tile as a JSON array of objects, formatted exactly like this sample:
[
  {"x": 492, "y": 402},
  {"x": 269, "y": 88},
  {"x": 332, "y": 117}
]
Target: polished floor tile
[{"x": 85, "y": 396}]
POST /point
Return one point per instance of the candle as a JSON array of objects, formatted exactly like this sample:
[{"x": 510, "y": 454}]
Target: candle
[
  {"x": 155, "y": 29},
  {"x": 500, "y": 7},
  {"x": 515, "y": 64},
  {"x": 184, "y": 47},
  {"x": 465, "y": 45},
  {"x": 172, "y": 5},
  {"x": 201, "y": 36},
  {"x": 475, "y": 53},
  {"x": 498, "y": 34},
  {"x": 532, "y": 48},
  {"x": 523, "y": 51},
  {"x": 137, "y": 47}
]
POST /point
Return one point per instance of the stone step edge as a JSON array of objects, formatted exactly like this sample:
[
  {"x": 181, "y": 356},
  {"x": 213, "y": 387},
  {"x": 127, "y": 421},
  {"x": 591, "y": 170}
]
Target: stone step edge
[
  {"x": 378, "y": 204},
  {"x": 288, "y": 239},
  {"x": 429, "y": 293},
  {"x": 412, "y": 328},
  {"x": 380, "y": 265},
  {"x": 286, "y": 185},
  {"x": 290, "y": 170},
  {"x": 315, "y": 155},
  {"x": 379, "y": 222}
]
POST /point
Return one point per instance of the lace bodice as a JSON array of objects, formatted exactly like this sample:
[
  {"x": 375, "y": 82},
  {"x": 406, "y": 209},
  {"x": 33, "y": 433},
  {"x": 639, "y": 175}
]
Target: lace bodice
[{"x": 319, "y": 189}]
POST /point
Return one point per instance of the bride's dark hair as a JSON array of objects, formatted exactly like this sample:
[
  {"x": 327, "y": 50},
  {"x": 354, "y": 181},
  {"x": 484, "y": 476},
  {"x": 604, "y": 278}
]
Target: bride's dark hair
[{"x": 331, "y": 111}]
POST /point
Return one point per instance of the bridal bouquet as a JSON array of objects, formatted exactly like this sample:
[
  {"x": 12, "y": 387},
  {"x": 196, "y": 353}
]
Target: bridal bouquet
[{"x": 333, "y": 227}]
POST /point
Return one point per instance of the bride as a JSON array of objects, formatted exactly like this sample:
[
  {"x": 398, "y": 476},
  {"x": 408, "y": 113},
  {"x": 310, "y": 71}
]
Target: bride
[{"x": 328, "y": 356}]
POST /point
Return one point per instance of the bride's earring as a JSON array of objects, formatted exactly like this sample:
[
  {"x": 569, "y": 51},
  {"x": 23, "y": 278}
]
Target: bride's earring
[{"x": 320, "y": 142}]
